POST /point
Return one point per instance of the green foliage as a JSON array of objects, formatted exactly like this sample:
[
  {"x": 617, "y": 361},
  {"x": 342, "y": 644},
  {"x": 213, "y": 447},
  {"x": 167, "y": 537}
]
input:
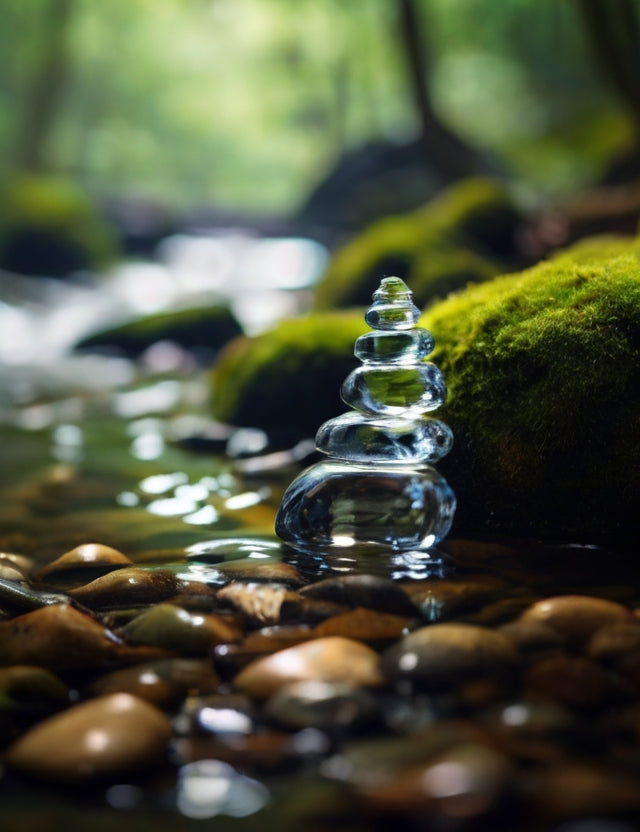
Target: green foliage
[
  {"x": 465, "y": 234},
  {"x": 544, "y": 394},
  {"x": 288, "y": 378},
  {"x": 248, "y": 102}
]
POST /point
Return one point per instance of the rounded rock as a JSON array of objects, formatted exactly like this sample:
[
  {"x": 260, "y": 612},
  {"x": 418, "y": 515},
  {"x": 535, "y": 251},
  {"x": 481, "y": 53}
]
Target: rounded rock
[
  {"x": 575, "y": 617},
  {"x": 330, "y": 659},
  {"x": 102, "y": 738},
  {"x": 443, "y": 655}
]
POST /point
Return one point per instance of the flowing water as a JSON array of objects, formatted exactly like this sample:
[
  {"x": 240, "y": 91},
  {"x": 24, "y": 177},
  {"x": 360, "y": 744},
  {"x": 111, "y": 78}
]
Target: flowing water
[{"x": 96, "y": 450}]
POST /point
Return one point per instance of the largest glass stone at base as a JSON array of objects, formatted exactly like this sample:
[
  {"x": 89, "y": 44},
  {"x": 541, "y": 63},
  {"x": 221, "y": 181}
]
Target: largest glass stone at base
[{"x": 336, "y": 505}]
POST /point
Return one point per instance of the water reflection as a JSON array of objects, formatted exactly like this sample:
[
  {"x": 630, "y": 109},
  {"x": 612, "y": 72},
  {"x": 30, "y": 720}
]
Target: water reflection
[{"x": 208, "y": 788}]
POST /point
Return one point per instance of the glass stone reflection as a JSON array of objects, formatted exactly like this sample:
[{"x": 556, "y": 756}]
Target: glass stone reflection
[{"x": 377, "y": 488}]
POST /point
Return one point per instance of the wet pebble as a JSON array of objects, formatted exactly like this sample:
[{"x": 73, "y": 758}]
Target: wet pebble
[
  {"x": 83, "y": 563},
  {"x": 105, "y": 737},
  {"x": 330, "y": 659},
  {"x": 61, "y": 638},
  {"x": 444, "y": 655},
  {"x": 468, "y": 781},
  {"x": 616, "y": 642},
  {"x": 442, "y": 599},
  {"x": 175, "y": 629},
  {"x": 164, "y": 683},
  {"x": 370, "y": 591},
  {"x": 21, "y": 563},
  {"x": 127, "y": 587},
  {"x": 365, "y": 625},
  {"x": 330, "y": 706},
  {"x": 576, "y": 617},
  {"x": 248, "y": 570},
  {"x": 573, "y": 681},
  {"x": 260, "y": 602},
  {"x": 533, "y": 637}
]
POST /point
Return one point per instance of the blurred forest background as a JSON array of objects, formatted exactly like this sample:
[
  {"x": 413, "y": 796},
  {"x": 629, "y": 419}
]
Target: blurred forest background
[{"x": 278, "y": 108}]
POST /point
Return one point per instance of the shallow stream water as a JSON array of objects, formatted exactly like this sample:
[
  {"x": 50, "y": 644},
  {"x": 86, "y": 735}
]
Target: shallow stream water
[{"x": 537, "y": 730}]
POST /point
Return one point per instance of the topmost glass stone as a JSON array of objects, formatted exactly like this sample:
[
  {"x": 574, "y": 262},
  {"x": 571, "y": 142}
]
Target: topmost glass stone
[{"x": 392, "y": 307}]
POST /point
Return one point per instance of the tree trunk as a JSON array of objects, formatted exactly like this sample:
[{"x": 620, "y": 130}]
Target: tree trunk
[
  {"x": 46, "y": 88},
  {"x": 444, "y": 149}
]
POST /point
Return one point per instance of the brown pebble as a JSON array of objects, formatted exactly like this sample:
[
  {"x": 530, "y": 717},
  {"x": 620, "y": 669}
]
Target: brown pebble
[
  {"x": 443, "y": 655},
  {"x": 27, "y": 686},
  {"x": 442, "y": 599},
  {"x": 533, "y": 637},
  {"x": 282, "y": 573},
  {"x": 59, "y": 637},
  {"x": 260, "y": 602},
  {"x": 84, "y": 562},
  {"x": 576, "y": 617},
  {"x": 164, "y": 683},
  {"x": 102, "y": 738},
  {"x": 570, "y": 680},
  {"x": 175, "y": 629},
  {"x": 468, "y": 781},
  {"x": 612, "y": 643},
  {"x": 127, "y": 587},
  {"x": 364, "y": 625},
  {"x": 330, "y": 659}
]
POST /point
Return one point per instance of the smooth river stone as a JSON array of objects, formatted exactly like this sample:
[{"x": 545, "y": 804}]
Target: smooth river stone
[
  {"x": 128, "y": 587},
  {"x": 164, "y": 683},
  {"x": 32, "y": 687},
  {"x": 364, "y": 625},
  {"x": 443, "y": 655},
  {"x": 260, "y": 602},
  {"x": 468, "y": 781},
  {"x": 331, "y": 659},
  {"x": 102, "y": 738},
  {"x": 576, "y": 617},
  {"x": 59, "y": 637},
  {"x": 89, "y": 560},
  {"x": 175, "y": 629}
]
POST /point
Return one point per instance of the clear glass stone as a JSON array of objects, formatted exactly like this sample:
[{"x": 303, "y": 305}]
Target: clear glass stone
[
  {"x": 338, "y": 505},
  {"x": 376, "y": 489},
  {"x": 359, "y": 439},
  {"x": 394, "y": 391},
  {"x": 382, "y": 315},
  {"x": 393, "y": 347}
]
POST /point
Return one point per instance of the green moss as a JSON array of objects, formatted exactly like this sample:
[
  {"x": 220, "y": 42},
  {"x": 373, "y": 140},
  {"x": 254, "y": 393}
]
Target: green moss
[
  {"x": 543, "y": 371},
  {"x": 288, "y": 379},
  {"x": 207, "y": 327},
  {"x": 50, "y": 227},
  {"x": 465, "y": 234}
]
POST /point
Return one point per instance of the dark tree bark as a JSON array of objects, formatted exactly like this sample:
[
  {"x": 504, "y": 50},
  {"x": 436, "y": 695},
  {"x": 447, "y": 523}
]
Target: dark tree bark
[
  {"x": 444, "y": 149},
  {"x": 46, "y": 88}
]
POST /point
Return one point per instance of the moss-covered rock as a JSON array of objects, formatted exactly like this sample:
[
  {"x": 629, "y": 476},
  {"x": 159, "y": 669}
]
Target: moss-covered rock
[
  {"x": 289, "y": 378},
  {"x": 466, "y": 234},
  {"x": 543, "y": 371},
  {"x": 49, "y": 227},
  {"x": 196, "y": 328}
]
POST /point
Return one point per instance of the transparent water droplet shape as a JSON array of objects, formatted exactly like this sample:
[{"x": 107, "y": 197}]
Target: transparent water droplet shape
[{"x": 377, "y": 488}]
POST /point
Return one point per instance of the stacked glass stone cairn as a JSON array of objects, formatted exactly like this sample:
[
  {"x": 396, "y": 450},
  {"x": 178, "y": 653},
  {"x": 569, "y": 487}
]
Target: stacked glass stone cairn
[{"x": 377, "y": 489}]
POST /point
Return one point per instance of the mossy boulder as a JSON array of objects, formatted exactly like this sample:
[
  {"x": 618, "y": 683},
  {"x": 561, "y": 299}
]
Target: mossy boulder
[
  {"x": 543, "y": 371},
  {"x": 205, "y": 328},
  {"x": 466, "y": 234},
  {"x": 50, "y": 227},
  {"x": 288, "y": 379}
]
